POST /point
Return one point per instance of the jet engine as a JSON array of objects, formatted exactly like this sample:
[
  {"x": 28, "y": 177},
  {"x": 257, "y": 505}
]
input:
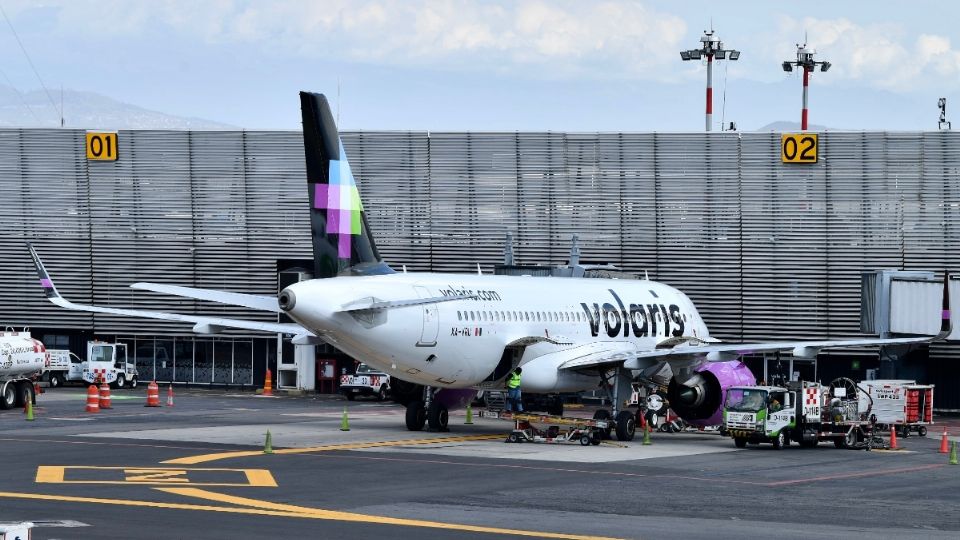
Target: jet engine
[{"x": 698, "y": 399}]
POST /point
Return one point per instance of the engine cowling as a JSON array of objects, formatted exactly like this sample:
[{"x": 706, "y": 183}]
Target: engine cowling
[{"x": 699, "y": 398}]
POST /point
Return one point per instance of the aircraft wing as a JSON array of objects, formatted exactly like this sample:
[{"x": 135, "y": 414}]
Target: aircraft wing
[
  {"x": 719, "y": 352},
  {"x": 252, "y": 301},
  {"x": 712, "y": 352},
  {"x": 201, "y": 324},
  {"x": 597, "y": 354}
]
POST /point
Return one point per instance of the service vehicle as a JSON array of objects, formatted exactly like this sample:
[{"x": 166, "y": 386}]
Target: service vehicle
[
  {"x": 21, "y": 359},
  {"x": 803, "y": 412},
  {"x": 367, "y": 381},
  {"x": 106, "y": 362},
  {"x": 901, "y": 404}
]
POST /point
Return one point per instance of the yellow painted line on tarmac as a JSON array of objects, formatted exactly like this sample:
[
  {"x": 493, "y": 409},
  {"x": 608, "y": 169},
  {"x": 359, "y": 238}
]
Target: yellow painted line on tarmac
[
  {"x": 265, "y": 508},
  {"x": 205, "y": 458},
  {"x": 302, "y": 511},
  {"x": 83, "y": 474}
]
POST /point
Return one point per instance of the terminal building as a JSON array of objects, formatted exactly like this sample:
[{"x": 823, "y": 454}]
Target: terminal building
[{"x": 766, "y": 249}]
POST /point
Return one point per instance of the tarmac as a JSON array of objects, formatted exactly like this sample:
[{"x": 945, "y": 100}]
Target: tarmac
[{"x": 198, "y": 470}]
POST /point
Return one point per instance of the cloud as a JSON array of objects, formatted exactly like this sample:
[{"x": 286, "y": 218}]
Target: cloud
[{"x": 537, "y": 38}]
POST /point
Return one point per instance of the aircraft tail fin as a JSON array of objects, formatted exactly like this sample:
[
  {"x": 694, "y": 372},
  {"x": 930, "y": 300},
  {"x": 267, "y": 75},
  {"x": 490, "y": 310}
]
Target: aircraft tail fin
[{"x": 342, "y": 243}]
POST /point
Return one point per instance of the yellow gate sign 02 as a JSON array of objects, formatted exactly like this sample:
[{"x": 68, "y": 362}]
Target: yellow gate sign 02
[
  {"x": 798, "y": 147},
  {"x": 101, "y": 146}
]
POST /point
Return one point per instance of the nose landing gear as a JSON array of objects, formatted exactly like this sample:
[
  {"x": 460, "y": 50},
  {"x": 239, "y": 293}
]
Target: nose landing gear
[{"x": 427, "y": 411}]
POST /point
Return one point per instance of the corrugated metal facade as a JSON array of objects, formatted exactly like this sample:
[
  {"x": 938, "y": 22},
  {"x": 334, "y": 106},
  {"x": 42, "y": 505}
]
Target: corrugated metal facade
[{"x": 766, "y": 250}]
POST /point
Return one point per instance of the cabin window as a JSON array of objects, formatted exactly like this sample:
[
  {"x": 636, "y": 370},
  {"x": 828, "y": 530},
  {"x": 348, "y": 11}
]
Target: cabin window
[
  {"x": 496, "y": 316},
  {"x": 528, "y": 315},
  {"x": 471, "y": 316},
  {"x": 684, "y": 317},
  {"x": 459, "y": 316}
]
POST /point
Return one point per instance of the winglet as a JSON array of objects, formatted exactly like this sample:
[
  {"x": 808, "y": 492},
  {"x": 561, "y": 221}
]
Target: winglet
[
  {"x": 946, "y": 326},
  {"x": 49, "y": 289}
]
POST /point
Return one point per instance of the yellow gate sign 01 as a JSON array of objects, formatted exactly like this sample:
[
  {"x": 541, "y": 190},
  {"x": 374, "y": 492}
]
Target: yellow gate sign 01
[
  {"x": 798, "y": 147},
  {"x": 101, "y": 146}
]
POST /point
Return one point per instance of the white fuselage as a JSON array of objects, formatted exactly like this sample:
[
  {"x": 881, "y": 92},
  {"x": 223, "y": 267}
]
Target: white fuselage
[{"x": 459, "y": 343}]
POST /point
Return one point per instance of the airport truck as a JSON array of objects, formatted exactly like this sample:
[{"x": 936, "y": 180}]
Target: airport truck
[
  {"x": 803, "y": 412},
  {"x": 106, "y": 362},
  {"x": 366, "y": 382},
  {"x": 21, "y": 359}
]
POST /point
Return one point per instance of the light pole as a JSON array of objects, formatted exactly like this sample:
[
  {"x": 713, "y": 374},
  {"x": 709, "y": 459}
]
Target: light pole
[
  {"x": 806, "y": 61},
  {"x": 710, "y": 47}
]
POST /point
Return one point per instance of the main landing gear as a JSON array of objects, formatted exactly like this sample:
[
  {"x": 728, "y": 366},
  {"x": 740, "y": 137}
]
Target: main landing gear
[
  {"x": 624, "y": 425},
  {"x": 427, "y": 411}
]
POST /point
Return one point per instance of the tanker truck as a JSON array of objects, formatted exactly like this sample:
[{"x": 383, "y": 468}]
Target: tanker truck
[{"x": 21, "y": 359}]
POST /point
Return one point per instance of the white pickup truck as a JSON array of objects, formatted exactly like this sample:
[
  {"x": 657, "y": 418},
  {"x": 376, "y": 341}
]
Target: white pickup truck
[
  {"x": 366, "y": 382},
  {"x": 106, "y": 362}
]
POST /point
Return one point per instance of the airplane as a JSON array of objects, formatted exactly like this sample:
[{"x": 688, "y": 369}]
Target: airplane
[{"x": 448, "y": 335}]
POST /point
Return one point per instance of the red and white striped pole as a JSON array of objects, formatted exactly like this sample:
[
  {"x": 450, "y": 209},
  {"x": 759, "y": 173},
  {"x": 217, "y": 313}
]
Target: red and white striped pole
[
  {"x": 709, "y": 92},
  {"x": 806, "y": 85}
]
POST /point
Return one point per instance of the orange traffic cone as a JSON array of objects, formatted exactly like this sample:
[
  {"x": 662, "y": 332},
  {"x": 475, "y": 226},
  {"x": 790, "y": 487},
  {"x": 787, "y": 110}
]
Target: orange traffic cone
[
  {"x": 944, "y": 445},
  {"x": 93, "y": 399},
  {"x": 153, "y": 395},
  {"x": 893, "y": 438},
  {"x": 170, "y": 395},
  {"x": 268, "y": 383},
  {"x": 105, "y": 396},
  {"x": 37, "y": 389}
]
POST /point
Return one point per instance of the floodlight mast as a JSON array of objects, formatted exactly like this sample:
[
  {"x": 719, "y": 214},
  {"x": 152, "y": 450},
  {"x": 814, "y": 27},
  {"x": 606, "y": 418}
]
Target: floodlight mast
[
  {"x": 710, "y": 47},
  {"x": 805, "y": 60}
]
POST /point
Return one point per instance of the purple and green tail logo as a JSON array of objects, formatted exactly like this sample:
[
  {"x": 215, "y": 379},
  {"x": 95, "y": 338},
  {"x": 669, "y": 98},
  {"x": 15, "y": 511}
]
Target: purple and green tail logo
[{"x": 341, "y": 200}]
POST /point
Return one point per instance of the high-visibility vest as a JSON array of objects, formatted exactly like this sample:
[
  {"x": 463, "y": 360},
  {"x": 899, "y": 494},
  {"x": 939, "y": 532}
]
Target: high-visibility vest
[{"x": 513, "y": 381}]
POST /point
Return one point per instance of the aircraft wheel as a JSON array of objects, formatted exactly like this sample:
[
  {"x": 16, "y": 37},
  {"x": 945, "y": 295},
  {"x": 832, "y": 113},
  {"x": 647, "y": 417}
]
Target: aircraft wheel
[
  {"x": 438, "y": 417},
  {"x": 626, "y": 426},
  {"x": 603, "y": 414},
  {"x": 416, "y": 416}
]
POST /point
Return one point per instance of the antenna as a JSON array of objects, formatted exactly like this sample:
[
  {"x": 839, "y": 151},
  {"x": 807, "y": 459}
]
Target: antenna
[
  {"x": 574, "y": 251},
  {"x": 943, "y": 124},
  {"x": 508, "y": 250}
]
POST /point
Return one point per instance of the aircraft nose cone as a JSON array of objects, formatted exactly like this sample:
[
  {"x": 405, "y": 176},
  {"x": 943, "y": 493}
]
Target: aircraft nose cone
[{"x": 287, "y": 299}]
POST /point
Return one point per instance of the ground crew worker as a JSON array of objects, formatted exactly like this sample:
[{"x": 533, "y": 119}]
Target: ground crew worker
[
  {"x": 513, "y": 391},
  {"x": 775, "y": 405}
]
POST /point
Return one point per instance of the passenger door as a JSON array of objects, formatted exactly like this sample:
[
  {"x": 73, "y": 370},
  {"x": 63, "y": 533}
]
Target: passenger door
[{"x": 431, "y": 320}]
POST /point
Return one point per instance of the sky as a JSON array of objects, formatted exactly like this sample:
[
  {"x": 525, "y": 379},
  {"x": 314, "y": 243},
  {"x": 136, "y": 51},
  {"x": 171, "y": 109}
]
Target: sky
[{"x": 458, "y": 65}]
